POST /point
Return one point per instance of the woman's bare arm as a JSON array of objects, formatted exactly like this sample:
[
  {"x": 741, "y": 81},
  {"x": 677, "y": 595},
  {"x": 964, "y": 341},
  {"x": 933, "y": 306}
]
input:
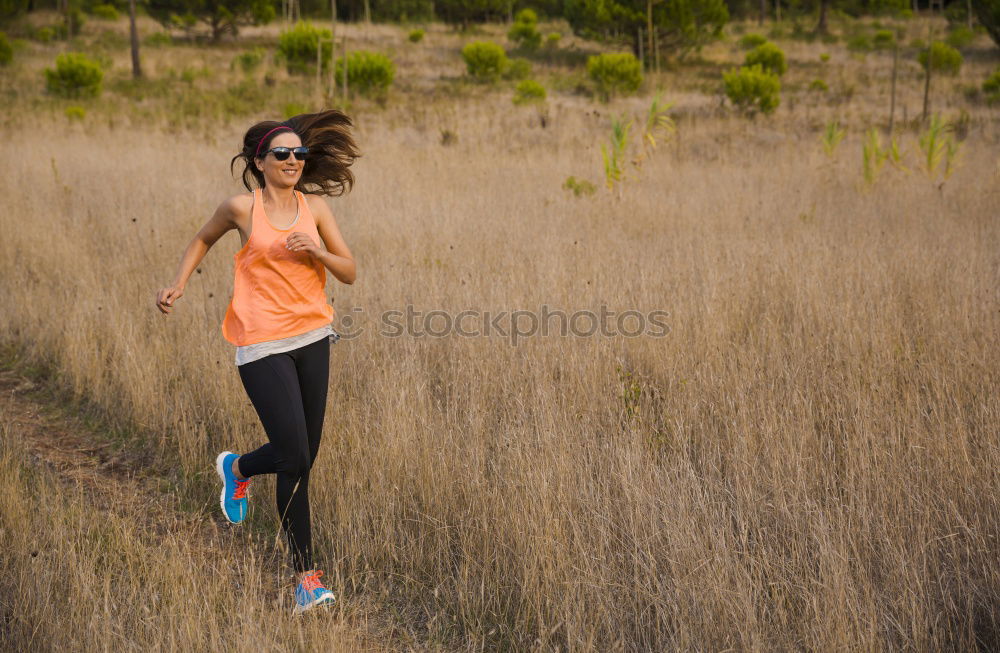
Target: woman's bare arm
[{"x": 226, "y": 217}]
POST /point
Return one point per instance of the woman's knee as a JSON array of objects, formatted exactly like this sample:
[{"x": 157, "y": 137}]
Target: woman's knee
[{"x": 294, "y": 463}]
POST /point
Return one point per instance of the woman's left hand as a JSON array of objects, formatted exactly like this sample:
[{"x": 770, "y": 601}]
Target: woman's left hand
[{"x": 300, "y": 242}]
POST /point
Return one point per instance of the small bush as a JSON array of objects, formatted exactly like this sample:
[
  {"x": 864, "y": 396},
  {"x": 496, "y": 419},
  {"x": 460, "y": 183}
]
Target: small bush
[
  {"x": 297, "y": 47},
  {"x": 524, "y": 32},
  {"x": 552, "y": 40},
  {"x": 75, "y": 112},
  {"x": 883, "y": 39},
  {"x": 416, "y": 36},
  {"x": 579, "y": 187},
  {"x": 6, "y": 50},
  {"x": 76, "y": 21},
  {"x": 44, "y": 34},
  {"x": 769, "y": 57},
  {"x": 369, "y": 73},
  {"x": 752, "y": 89},
  {"x": 818, "y": 85},
  {"x": 105, "y": 12},
  {"x": 517, "y": 69},
  {"x": 485, "y": 60},
  {"x": 292, "y": 109},
  {"x": 991, "y": 87},
  {"x": 824, "y": 58},
  {"x": 528, "y": 91},
  {"x": 859, "y": 43},
  {"x": 960, "y": 37},
  {"x": 75, "y": 75},
  {"x": 615, "y": 73},
  {"x": 956, "y": 14},
  {"x": 942, "y": 57},
  {"x": 751, "y": 41},
  {"x": 250, "y": 60},
  {"x": 158, "y": 40}
]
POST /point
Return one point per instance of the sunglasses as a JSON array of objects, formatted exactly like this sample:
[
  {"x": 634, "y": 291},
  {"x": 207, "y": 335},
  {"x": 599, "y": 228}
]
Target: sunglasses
[{"x": 281, "y": 153}]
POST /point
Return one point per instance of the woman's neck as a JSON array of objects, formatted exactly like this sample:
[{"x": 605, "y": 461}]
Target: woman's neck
[{"x": 279, "y": 197}]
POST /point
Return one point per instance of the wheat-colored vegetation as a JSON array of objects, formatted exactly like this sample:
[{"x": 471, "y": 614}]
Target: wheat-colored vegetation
[{"x": 808, "y": 460}]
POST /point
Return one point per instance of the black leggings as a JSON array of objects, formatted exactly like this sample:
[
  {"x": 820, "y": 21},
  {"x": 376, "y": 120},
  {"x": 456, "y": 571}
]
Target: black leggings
[{"x": 288, "y": 391}]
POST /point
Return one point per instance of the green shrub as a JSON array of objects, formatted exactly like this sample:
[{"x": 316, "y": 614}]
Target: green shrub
[
  {"x": 250, "y": 60},
  {"x": 956, "y": 14},
  {"x": 615, "y": 73},
  {"x": 883, "y": 39},
  {"x": 75, "y": 112},
  {"x": 988, "y": 13},
  {"x": 751, "y": 41},
  {"x": 527, "y": 91},
  {"x": 752, "y": 89},
  {"x": 960, "y": 37},
  {"x": 825, "y": 58},
  {"x": 517, "y": 69},
  {"x": 818, "y": 85},
  {"x": 76, "y": 21},
  {"x": 158, "y": 39},
  {"x": 416, "y": 36},
  {"x": 769, "y": 57},
  {"x": 991, "y": 87},
  {"x": 44, "y": 34},
  {"x": 297, "y": 47},
  {"x": 524, "y": 32},
  {"x": 552, "y": 40},
  {"x": 75, "y": 75},
  {"x": 292, "y": 109},
  {"x": 485, "y": 60},
  {"x": 104, "y": 12},
  {"x": 859, "y": 43},
  {"x": 580, "y": 187},
  {"x": 942, "y": 57},
  {"x": 369, "y": 73},
  {"x": 6, "y": 50}
]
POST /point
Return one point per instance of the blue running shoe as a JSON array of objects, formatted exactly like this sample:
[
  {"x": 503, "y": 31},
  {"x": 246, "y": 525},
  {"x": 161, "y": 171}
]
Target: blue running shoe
[
  {"x": 311, "y": 593},
  {"x": 234, "y": 491}
]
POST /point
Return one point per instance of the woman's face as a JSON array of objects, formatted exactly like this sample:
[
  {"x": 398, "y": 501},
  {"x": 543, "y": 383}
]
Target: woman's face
[{"x": 281, "y": 174}]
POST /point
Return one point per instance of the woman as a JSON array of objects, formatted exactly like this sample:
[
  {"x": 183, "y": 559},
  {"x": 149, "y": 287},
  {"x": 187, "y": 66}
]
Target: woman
[{"x": 278, "y": 317}]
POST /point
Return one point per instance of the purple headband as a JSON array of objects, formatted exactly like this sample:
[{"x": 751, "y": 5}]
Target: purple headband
[{"x": 257, "y": 153}]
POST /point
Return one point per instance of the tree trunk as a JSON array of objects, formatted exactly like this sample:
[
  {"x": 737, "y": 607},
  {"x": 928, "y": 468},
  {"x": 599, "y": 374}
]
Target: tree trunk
[
  {"x": 333, "y": 50},
  {"x": 763, "y": 12},
  {"x": 821, "y": 27},
  {"x": 134, "y": 34},
  {"x": 649, "y": 26},
  {"x": 892, "y": 101}
]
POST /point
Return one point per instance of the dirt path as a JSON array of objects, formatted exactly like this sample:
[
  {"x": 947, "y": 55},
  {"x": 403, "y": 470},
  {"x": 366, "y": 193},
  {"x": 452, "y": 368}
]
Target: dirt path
[{"x": 118, "y": 482}]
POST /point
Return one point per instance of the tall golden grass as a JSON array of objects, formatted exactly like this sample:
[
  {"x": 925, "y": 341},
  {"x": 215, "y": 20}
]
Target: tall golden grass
[{"x": 808, "y": 460}]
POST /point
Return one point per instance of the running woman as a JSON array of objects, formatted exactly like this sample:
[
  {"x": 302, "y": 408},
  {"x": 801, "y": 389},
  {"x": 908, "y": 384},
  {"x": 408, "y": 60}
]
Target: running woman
[{"x": 278, "y": 317}]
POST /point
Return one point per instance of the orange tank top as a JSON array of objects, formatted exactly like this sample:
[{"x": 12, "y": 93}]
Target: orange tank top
[{"x": 277, "y": 293}]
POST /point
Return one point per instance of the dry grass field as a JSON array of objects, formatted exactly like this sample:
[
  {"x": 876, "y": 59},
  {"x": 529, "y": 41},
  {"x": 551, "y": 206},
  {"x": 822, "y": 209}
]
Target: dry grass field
[{"x": 807, "y": 460}]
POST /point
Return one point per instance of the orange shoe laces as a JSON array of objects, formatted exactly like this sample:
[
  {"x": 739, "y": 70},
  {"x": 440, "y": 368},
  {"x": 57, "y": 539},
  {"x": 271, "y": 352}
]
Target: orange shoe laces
[
  {"x": 241, "y": 488},
  {"x": 311, "y": 582}
]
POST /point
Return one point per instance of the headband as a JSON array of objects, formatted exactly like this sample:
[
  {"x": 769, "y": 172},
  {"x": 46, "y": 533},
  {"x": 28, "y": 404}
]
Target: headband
[{"x": 257, "y": 153}]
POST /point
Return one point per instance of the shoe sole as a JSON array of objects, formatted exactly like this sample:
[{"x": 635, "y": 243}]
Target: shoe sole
[
  {"x": 219, "y": 460},
  {"x": 299, "y": 609}
]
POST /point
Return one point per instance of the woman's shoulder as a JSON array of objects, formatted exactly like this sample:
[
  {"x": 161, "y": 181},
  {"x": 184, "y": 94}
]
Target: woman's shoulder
[
  {"x": 316, "y": 203},
  {"x": 237, "y": 206}
]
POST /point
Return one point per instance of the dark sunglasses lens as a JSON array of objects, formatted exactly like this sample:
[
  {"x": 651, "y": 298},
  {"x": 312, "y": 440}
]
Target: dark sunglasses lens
[
  {"x": 301, "y": 152},
  {"x": 280, "y": 153}
]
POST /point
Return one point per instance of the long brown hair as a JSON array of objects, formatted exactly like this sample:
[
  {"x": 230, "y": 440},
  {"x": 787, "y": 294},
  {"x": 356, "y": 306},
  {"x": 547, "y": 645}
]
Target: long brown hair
[{"x": 331, "y": 151}]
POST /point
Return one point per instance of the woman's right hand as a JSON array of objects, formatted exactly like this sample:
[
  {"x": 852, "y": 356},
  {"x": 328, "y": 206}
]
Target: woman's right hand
[{"x": 167, "y": 296}]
